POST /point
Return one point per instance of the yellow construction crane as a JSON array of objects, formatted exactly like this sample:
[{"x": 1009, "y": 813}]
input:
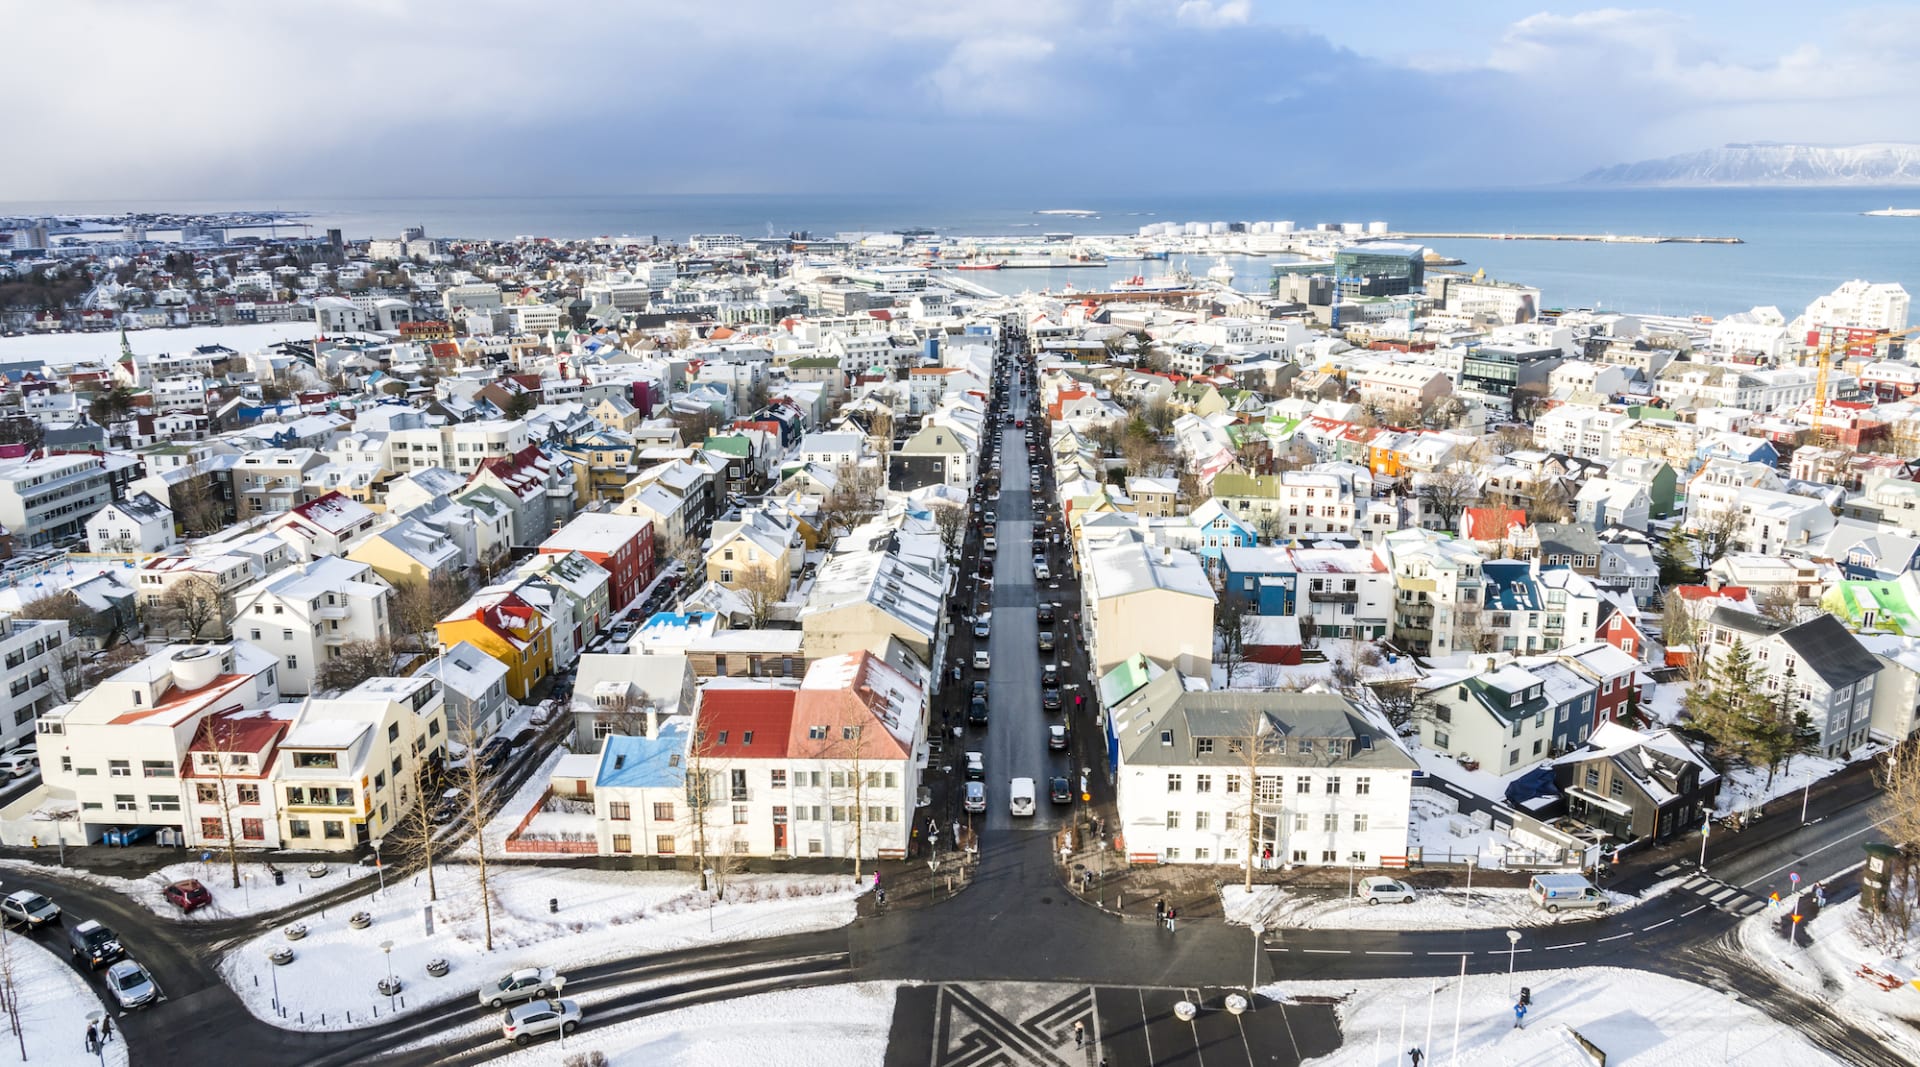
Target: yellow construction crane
[{"x": 1824, "y": 358}]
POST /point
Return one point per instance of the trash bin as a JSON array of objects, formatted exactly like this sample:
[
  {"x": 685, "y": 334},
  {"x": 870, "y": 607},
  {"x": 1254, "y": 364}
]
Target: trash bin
[
  {"x": 553, "y": 905},
  {"x": 279, "y": 877}
]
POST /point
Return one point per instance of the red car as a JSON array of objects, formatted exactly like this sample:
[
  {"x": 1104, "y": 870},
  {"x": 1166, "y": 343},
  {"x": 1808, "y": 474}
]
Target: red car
[
  {"x": 188, "y": 895},
  {"x": 1019, "y": 424}
]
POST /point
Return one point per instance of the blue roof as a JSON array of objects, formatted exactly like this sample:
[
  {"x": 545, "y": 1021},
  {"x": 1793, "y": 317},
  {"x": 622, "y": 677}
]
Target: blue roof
[
  {"x": 1510, "y": 586},
  {"x": 642, "y": 762}
]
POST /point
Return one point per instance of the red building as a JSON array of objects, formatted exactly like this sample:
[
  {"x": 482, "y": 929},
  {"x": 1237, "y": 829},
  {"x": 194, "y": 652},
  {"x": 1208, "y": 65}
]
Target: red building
[{"x": 623, "y": 544}]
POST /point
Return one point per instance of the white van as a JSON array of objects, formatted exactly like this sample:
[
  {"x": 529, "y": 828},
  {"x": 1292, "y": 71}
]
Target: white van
[
  {"x": 1021, "y": 801},
  {"x": 1555, "y": 892}
]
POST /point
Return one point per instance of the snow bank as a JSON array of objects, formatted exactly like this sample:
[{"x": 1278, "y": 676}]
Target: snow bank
[
  {"x": 1441, "y": 909},
  {"x": 257, "y": 894},
  {"x": 602, "y": 915},
  {"x": 1638, "y": 1019},
  {"x": 54, "y": 1003},
  {"x": 1830, "y": 970},
  {"x": 845, "y": 1025}
]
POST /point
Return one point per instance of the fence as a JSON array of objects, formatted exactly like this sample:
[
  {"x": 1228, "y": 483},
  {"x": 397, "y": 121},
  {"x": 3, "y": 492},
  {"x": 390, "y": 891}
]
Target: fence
[{"x": 567, "y": 844}]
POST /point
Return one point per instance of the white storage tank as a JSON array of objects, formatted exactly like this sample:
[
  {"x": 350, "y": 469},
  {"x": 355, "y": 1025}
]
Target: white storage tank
[
  {"x": 1219, "y": 227},
  {"x": 1376, "y": 228},
  {"x": 1283, "y": 226},
  {"x": 1352, "y": 227},
  {"x": 1261, "y": 227}
]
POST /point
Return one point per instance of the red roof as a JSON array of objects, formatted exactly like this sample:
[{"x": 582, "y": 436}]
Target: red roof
[
  {"x": 1702, "y": 592},
  {"x": 1491, "y": 524},
  {"x": 731, "y": 713},
  {"x": 252, "y": 732}
]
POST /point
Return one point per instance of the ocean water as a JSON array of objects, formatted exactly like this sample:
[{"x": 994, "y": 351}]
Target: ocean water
[{"x": 1799, "y": 243}]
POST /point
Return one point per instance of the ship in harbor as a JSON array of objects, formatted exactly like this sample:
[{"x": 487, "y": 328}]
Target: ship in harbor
[
  {"x": 1171, "y": 282},
  {"x": 1054, "y": 259}
]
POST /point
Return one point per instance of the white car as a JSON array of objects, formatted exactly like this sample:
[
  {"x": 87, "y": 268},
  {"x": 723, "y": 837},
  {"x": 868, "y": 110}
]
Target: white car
[
  {"x": 20, "y": 762},
  {"x": 989, "y": 546},
  {"x": 976, "y": 798},
  {"x": 1040, "y": 570},
  {"x": 1378, "y": 890},
  {"x": 982, "y": 661},
  {"x": 976, "y": 766}
]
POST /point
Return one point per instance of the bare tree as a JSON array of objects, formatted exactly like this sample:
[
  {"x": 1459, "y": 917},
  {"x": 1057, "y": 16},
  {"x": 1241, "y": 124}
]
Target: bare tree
[
  {"x": 354, "y": 662},
  {"x": 1778, "y": 604},
  {"x": 1448, "y": 493},
  {"x": 764, "y": 587},
  {"x": 216, "y": 732},
  {"x": 196, "y": 507},
  {"x": 1234, "y": 622},
  {"x": 1682, "y": 626},
  {"x": 849, "y": 783},
  {"x": 702, "y": 793},
  {"x": 10, "y": 995},
  {"x": 1714, "y": 534},
  {"x": 412, "y": 837},
  {"x": 1252, "y": 744},
  {"x": 418, "y": 607},
  {"x": 952, "y": 520},
  {"x": 467, "y": 732},
  {"x": 189, "y": 607}
]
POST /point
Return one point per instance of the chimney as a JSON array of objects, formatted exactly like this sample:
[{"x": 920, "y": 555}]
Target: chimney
[{"x": 1491, "y": 663}]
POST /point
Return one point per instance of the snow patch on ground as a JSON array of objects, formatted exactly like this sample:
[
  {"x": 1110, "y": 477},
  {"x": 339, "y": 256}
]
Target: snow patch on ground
[
  {"x": 603, "y": 915},
  {"x": 1638, "y": 1019},
  {"x": 54, "y": 1004},
  {"x": 1443, "y": 909},
  {"x": 530, "y": 793},
  {"x": 1830, "y": 970},
  {"x": 845, "y": 1025},
  {"x": 257, "y": 894},
  {"x": 1337, "y": 652},
  {"x": 1745, "y": 788}
]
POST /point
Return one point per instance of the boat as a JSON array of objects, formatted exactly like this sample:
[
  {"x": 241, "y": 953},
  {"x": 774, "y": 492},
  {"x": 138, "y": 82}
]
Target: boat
[
  {"x": 981, "y": 264},
  {"x": 1166, "y": 283},
  {"x": 1895, "y": 213}
]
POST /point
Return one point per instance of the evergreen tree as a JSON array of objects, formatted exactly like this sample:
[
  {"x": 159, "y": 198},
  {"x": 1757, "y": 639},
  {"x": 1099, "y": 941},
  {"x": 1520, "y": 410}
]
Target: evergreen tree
[
  {"x": 1728, "y": 705},
  {"x": 1679, "y": 559}
]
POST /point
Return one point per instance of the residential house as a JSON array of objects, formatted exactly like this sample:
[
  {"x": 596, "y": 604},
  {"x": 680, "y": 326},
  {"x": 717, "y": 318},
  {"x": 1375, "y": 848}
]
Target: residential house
[
  {"x": 621, "y": 544},
  {"x": 220, "y": 576},
  {"x": 1344, "y": 593},
  {"x": 48, "y": 501},
  {"x": 269, "y": 481},
  {"x": 229, "y": 767},
  {"x": 758, "y": 543},
  {"x": 1503, "y": 718},
  {"x": 410, "y": 552},
  {"x": 136, "y": 525},
  {"x": 616, "y": 694},
  {"x": 304, "y": 616},
  {"x": 346, "y": 771},
  {"x": 327, "y": 525},
  {"x": 1814, "y": 666},
  {"x": 37, "y": 661},
  {"x": 1437, "y": 597},
  {"x": 1205, "y": 775},
  {"x": 1137, "y": 598},
  {"x": 1634, "y": 786},
  {"x": 506, "y": 627},
  {"x": 473, "y": 686}
]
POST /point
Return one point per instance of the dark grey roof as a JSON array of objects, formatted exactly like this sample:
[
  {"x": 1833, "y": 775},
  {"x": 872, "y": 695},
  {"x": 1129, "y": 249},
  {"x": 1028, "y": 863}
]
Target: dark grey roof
[
  {"x": 1744, "y": 621},
  {"x": 1341, "y": 736},
  {"x": 1834, "y": 654},
  {"x": 1567, "y": 537}
]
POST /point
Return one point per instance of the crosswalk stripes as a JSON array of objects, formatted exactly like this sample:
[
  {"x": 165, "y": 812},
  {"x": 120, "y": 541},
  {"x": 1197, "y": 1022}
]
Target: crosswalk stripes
[{"x": 1723, "y": 896}]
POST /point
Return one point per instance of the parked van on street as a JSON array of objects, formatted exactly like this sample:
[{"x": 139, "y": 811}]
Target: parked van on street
[{"x": 1557, "y": 892}]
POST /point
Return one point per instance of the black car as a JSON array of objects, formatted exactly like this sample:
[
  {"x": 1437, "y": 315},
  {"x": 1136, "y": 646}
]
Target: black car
[
  {"x": 977, "y": 712},
  {"x": 1050, "y": 699},
  {"x": 493, "y": 755},
  {"x": 1050, "y": 681},
  {"x": 1046, "y": 614},
  {"x": 1059, "y": 791},
  {"x": 979, "y": 689}
]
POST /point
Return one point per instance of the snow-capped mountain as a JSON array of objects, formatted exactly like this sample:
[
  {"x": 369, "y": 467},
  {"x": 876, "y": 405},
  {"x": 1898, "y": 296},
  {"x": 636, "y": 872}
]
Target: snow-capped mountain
[{"x": 1888, "y": 163}]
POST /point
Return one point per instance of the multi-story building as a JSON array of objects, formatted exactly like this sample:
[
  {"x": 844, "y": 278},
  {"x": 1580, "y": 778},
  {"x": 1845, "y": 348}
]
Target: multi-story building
[
  {"x": 1505, "y": 718},
  {"x": 348, "y": 769},
  {"x": 460, "y": 447},
  {"x": 1289, "y": 505},
  {"x": 498, "y": 622},
  {"x": 219, "y": 576},
  {"x": 272, "y": 480},
  {"x": 48, "y": 501},
  {"x": 1814, "y": 666},
  {"x": 304, "y": 616},
  {"x": 1218, "y": 777},
  {"x": 622, "y": 544},
  {"x": 117, "y": 750},
  {"x": 474, "y": 686},
  {"x": 1436, "y": 592},
  {"x": 133, "y": 525},
  {"x": 35, "y": 664}
]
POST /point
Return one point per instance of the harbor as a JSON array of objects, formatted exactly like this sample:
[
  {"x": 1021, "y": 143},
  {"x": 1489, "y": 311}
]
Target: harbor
[{"x": 1603, "y": 238}]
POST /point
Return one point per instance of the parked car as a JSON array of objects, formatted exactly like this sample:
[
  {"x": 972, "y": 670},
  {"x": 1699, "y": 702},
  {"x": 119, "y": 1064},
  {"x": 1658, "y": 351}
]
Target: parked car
[
  {"x": 520, "y": 985},
  {"x": 538, "y": 1018},
  {"x": 976, "y": 767},
  {"x": 188, "y": 895},
  {"x": 1380, "y": 890},
  {"x": 131, "y": 985},
  {"x": 24, "y": 907},
  {"x": 20, "y": 762},
  {"x": 1046, "y": 614},
  {"x": 448, "y": 805},
  {"x": 493, "y": 754},
  {"x": 1046, "y": 640},
  {"x": 979, "y": 689},
  {"x": 976, "y": 797},
  {"x": 1057, "y": 736},
  {"x": 1020, "y": 799},
  {"x": 1040, "y": 570},
  {"x": 983, "y": 626},
  {"x": 982, "y": 661},
  {"x": 94, "y": 944},
  {"x": 989, "y": 545},
  {"x": 1059, "y": 791},
  {"x": 977, "y": 712},
  {"x": 1050, "y": 699}
]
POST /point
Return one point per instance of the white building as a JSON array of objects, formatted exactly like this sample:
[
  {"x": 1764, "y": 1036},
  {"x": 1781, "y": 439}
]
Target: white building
[
  {"x": 348, "y": 769},
  {"x": 304, "y": 615},
  {"x": 35, "y": 659},
  {"x": 47, "y": 500},
  {"x": 1205, "y": 777},
  {"x": 135, "y": 525},
  {"x": 1860, "y": 305}
]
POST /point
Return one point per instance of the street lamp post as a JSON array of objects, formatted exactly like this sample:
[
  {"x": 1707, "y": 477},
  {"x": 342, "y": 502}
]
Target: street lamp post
[
  {"x": 710, "y": 899},
  {"x": 559, "y": 986},
  {"x": 1513, "y": 946},
  {"x": 1469, "y": 902},
  {"x": 377, "y": 868},
  {"x": 1259, "y": 931},
  {"x": 386, "y": 947}
]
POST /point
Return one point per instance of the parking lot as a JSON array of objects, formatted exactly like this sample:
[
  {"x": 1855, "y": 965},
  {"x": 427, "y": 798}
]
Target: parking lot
[{"x": 1032, "y": 1025}]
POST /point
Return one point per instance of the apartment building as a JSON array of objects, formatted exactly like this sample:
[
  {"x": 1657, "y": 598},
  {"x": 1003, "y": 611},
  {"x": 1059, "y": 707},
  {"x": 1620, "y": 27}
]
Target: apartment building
[
  {"x": 347, "y": 769},
  {"x": 48, "y": 501},
  {"x": 460, "y": 447},
  {"x": 36, "y": 659},
  {"x": 304, "y": 615}
]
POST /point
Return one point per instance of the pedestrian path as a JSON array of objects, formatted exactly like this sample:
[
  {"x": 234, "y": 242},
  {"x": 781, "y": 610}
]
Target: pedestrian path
[{"x": 1723, "y": 896}]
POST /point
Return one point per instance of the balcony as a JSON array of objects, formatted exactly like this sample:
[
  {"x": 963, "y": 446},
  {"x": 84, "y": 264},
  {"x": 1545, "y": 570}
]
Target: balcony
[
  {"x": 331, "y": 611},
  {"x": 1332, "y": 596}
]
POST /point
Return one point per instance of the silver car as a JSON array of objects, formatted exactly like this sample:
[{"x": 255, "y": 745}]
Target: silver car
[
  {"x": 536, "y": 1018},
  {"x": 131, "y": 985},
  {"x": 522, "y": 984}
]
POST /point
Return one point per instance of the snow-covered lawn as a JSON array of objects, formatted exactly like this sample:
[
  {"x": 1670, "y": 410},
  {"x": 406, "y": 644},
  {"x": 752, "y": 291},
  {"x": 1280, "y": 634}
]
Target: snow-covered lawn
[
  {"x": 1829, "y": 970},
  {"x": 845, "y": 1025},
  {"x": 1743, "y": 788},
  {"x": 530, "y": 793},
  {"x": 1444, "y": 909},
  {"x": 1637, "y": 1019},
  {"x": 257, "y": 894},
  {"x": 603, "y": 915},
  {"x": 54, "y": 1004},
  {"x": 1337, "y": 653}
]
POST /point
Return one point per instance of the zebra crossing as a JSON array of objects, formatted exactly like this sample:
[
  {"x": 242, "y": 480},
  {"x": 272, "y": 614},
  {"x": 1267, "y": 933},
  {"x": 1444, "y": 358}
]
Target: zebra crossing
[{"x": 1723, "y": 896}]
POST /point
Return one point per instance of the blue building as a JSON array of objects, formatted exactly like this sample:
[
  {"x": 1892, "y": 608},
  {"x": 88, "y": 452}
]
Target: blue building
[
  {"x": 1219, "y": 529},
  {"x": 1264, "y": 576}
]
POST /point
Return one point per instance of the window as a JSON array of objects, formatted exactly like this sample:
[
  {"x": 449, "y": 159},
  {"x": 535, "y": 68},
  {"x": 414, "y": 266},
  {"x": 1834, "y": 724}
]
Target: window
[
  {"x": 1201, "y": 819},
  {"x": 663, "y": 844},
  {"x": 207, "y": 793},
  {"x": 1173, "y": 783},
  {"x": 1203, "y": 746},
  {"x": 249, "y": 794},
  {"x": 1441, "y": 740},
  {"x": 324, "y": 760},
  {"x": 119, "y": 768},
  {"x": 1362, "y": 786},
  {"x": 622, "y": 843},
  {"x": 1306, "y": 746},
  {"x": 299, "y": 828},
  {"x": 211, "y": 830},
  {"x": 1303, "y": 784},
  {"x": 1233, "y": 821},
  {"x": 1333, "y": 785},
  {"x": 779, "y": 780},
  {"x": 619, "y": 811},
  {"x": 739, "y": 815},
  {"x": 1616, "y": 788},
  {"x": 1173, "y": 820},
  {"x": 1233, "y": 783},
  {"x": 816, "y": 733},
  {"x": 1360, "y": 823},
  {"x": 296, "y": 795},
  {"x": 380, "y": 780},
  {"x": 1299, "y": 855},
  {"x": 293, "y": 663},
  {"x": 663, "y": 811},
  {"x": 1300, "y": 821},
  {"x": 1330, "y": 856},
  {"x": 1203, "y": 783},
  {"x": 1537, "y": 742},
  {"x": 1330, "y": 822},
  {"x": 1513, "y": 758}
]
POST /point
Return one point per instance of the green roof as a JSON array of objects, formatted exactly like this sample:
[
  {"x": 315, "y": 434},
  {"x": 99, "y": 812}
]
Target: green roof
[
  {"x": 732, "y": 444},
  {"x": 1232, "y": 484},
  {"x": 1886, "y": 600},
  {"x": 1124, "y": 679},
  {"x": 814, "y": 361}
]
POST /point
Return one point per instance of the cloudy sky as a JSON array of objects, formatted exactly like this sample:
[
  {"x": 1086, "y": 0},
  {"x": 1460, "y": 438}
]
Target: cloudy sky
[{"x": 214, "y": 99}]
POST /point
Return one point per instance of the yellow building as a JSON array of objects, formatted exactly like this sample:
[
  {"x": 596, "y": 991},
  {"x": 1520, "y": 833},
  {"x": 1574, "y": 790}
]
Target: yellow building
[{"x": 499, "y": 623}]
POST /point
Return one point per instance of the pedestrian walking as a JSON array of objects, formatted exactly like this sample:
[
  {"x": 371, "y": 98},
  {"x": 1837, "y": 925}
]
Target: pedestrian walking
[
  {"x": 1266, "y": 857},
  {"x": 1519, "y": 1016},
  {"x": 93, "y": 1038},
  {"x": 1160, "y": 911},
  {"x": 1171, "y": 915},
  {"x": 1820, "y": 894},
  {"x": 1416, "y": 1055},
  {"x": 106, "y": 1029},
  {"x": 1079, "y": 1034}
]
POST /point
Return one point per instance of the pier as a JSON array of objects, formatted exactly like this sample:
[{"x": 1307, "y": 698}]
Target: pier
[{"x": 1604, "y": 238}]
